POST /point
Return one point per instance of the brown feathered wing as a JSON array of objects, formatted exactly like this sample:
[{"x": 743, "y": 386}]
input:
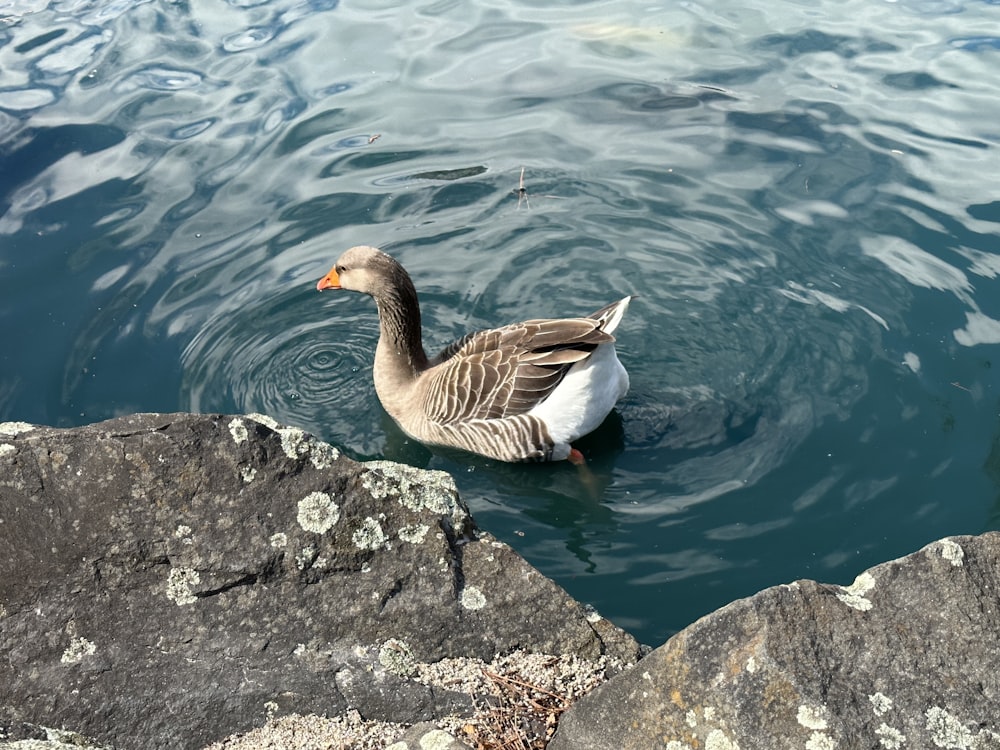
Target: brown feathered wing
[{"x": 507, "y": 371}]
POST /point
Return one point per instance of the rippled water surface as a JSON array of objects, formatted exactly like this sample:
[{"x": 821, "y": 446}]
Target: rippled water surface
[{"x": 804, "y": 196}]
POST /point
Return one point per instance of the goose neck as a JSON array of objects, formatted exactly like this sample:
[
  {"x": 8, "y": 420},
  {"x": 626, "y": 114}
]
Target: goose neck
[{"x": 400, "y": 351}]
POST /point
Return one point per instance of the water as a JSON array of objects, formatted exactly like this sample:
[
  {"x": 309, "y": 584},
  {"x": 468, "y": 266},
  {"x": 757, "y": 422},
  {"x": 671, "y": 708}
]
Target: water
[{"x": 803, "y": 195}]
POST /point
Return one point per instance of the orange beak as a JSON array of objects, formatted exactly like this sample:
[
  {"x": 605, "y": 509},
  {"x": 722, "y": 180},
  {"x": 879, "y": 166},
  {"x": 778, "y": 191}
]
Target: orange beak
[{"x": 330, "y": 281}]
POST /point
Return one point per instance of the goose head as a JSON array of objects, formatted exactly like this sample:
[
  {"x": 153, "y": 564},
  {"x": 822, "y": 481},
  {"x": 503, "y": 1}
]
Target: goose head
[{"x": 363, "y": 269}]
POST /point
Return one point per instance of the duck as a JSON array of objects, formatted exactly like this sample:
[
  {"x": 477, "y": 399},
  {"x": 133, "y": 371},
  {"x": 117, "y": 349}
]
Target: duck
[{"x": 523, "y": 392}]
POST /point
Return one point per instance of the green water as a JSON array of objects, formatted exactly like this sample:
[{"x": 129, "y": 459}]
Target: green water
[{"x": 803, "y": 195}]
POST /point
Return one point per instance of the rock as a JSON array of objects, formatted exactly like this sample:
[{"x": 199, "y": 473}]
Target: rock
[
  {"x": 29, "y": 737},
  {"x": 168, "y": 580},
  {"x": 908, "y": 656},
  {"x": 520, "y": 694},
  {"x": 426, "y": 737}
]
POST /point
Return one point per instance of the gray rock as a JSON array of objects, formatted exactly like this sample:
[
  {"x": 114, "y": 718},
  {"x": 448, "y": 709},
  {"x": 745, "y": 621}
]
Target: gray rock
[
  {"x": 168, "y": 580},
  {"x": 424, "y": 736},
  {"x": 29, "y": 737},
  {"x": 908, "y": 656}
]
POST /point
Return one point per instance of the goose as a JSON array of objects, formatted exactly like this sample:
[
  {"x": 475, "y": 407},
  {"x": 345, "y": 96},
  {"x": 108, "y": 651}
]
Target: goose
[{"x": 522, "y": 392}]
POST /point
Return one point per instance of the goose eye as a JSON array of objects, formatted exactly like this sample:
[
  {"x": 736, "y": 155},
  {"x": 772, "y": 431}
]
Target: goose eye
[{"x": 339, "y": 269}]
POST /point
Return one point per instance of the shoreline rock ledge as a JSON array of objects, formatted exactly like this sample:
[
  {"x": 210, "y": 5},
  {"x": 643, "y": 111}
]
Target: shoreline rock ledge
[
  {"x": 168, "y": 580},
  {"x": 907, "y": 657}
]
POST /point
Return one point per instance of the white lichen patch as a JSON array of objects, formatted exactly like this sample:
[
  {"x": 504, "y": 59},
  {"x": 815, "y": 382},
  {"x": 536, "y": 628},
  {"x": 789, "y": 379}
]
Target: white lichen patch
[
  {"x": 279, "y": 540},
  {"x": 952, "y": 552},
  {"x": 946, "y": 730},
  {"x": 414, "y": 533},
  {"x": 322, "y": 455},
  {"x": 889, "y": 737},
  {"x": 691, "y": 719},
  {"x": 318, "y": 513},
  {"x": 294, "y": 442},
  {"x": 264, "y": 420},
  {"x": 180, "y": 585},
  {"x": 7, "y": 449},
  {"x": 813, "y": 717},
  {"x": 472, "y": 598},
  {"x": 436, "y": 739},
  {"x": 854, "y": 595},
  {"x": 77, "y": 649},
  {"x": 717, "y": 740},
  {"x": 396, "y": 657},
  {"x": 820, "y": 741},
  {"x": 881, "y": 704},
  {"x": 15, "y": 428},
  {"x": 183, "y": 533},
  {"x": 297, "y": 444},
  {"x": 751, "y": 665},
  {"x": 987, "y": 739},
  {"x": 238, "y": 429},
  {"x": 369, "y": 535},
  {"x": 248, "y": 474},
  {"x": 416, "y": 489},
  {"x": 304, "y": 557}
]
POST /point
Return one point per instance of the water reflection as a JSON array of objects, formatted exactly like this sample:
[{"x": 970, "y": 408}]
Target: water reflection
[{"x": 803, "y": 202}]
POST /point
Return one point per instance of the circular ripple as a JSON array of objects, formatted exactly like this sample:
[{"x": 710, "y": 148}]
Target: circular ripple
[{"x": 282, "y": 361}]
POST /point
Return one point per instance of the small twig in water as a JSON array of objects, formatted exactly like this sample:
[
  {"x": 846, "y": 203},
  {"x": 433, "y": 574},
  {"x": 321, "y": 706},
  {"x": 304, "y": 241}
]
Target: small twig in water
[
  {"x": 373, "y": 138},
  {"x": 522, "y": 192},
  {"x": 961, "y": 387}
]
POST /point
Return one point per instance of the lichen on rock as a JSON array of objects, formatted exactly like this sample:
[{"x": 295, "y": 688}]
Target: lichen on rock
[
  {"x": 77, "y": 649},
  {"x": 370, "y": 536},
  {"x": 180, "y": 585},
  {"x": 318, "y": 512},
  {"x": 203, "y": 557}
]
